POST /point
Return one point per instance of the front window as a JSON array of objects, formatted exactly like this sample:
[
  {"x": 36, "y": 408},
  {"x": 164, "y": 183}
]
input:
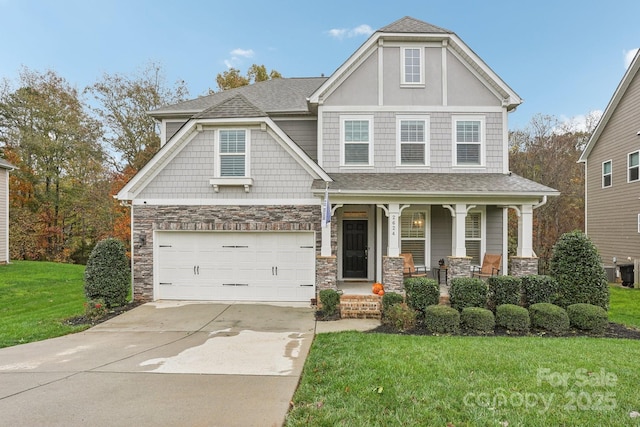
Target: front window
[
  {"x": 413, "y": 234},
  {"x": 468, "y": 136},
  {"x": 232, "y": 153},
  {"x": 412, "y": 66},
  {"x": 412, "y": 140},
  {"x": 473, "y": 236},
  {"x": 634, "y": 166},
  {"x": 357, "y": 141},
  {"x": 606, "y": 174}
]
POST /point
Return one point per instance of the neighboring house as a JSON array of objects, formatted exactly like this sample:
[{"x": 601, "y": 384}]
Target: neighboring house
[
  {"x": 612, "y": 176},
  {"x": 409, "y": 138},
  {"x": 5, "y": 167}
]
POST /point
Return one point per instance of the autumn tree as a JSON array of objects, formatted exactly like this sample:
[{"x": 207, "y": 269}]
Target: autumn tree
[
  {"x": 547, "y": 151},
  {"x": 232, "y": 78},
  {"x": 47, "y": 133},
  {"x": 123, "y": 103}
]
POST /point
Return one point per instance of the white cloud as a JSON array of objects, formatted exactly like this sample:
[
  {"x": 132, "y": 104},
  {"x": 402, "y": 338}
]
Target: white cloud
[
  {"x": 628, "y": 56},
  {"x": 579, "y": 123},
  {"x": 360, "y": 30},
  {"x": 245, "y": 53}
]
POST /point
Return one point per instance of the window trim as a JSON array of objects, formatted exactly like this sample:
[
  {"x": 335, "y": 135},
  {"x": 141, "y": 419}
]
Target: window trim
[
  {"x": 629, "y": 166},
  {"x": 403, "y": 73},
  {"x": 426, "y": 211},
  {"x": 247, "y": 154},
  {"x": 427, "y": 133},
  {"x": 483, "y": 232},
  {"x": 605, "y": 175},
  {"x": 454, "y": 136},
  {"x": 356, "y": 117}
]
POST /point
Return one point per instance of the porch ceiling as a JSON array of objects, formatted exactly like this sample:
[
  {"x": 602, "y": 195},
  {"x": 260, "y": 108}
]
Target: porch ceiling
[{"x": 433, "y": 185}]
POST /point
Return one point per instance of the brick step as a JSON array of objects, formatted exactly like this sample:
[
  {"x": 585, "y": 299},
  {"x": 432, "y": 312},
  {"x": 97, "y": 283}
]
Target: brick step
[
  {"x": 444, "y": 300},
  {"x": 360, "y": 306}
]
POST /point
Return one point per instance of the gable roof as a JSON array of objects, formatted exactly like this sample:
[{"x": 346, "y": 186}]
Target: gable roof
[
  {"x": 276, "y": 96},
  {"x": 236, "y": 106},
  {"x": 611, "y": 107},
  {"x": 409, "y": 28}
]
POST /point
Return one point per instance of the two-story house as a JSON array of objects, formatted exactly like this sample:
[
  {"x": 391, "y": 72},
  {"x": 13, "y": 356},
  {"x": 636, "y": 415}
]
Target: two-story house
[
  {"x": 408, "y": 139},
  {"x": 612, "y": 178}
]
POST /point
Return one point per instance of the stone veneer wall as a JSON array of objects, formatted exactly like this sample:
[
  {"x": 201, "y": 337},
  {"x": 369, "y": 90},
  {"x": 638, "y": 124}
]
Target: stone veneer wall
[
  {"x": 326, "y": 273},
  {"x": 520, "y": 266},
  {"x": 392, "y": 277},
  {"x": 459, "y": 267},
  {"x": 147, "y": 219}
]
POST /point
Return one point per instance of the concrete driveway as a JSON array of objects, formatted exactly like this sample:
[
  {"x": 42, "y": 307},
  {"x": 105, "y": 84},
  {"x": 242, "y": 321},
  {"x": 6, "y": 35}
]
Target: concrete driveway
[{"x": 162, "y": 364}]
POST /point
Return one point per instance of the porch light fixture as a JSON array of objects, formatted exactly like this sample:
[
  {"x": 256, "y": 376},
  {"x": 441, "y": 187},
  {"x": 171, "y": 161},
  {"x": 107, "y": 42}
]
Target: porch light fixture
[{"x": 417, "y": 220}]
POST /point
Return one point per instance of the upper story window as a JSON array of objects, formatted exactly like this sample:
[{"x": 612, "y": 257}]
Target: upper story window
[
  {"x": 468, "y": 136},
  {"x": 633, "y": 164},
  {"x": 606, "y": 173},
  {"x": 412, "y": 66},
  {"x": 413, "y": 133},
  {"x": 232, "y": 153},
  {"x": 357, "y": 140}
]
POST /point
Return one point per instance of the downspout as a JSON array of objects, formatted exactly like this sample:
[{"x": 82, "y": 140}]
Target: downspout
[{"x": 542, "y": 203}]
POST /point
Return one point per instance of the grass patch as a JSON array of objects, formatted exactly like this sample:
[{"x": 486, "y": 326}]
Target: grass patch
[
  {"x": 624, "y": 306},
  {"x": 36, "y": 297},
  {"x": 360, "y": 379}
]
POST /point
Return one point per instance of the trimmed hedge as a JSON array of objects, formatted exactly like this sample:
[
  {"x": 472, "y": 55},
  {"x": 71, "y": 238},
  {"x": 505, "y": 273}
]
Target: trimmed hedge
[
  {"x": 513, "y": 317},
  {"x": 588, "y": 317},
  {"x": 478, "y": 320},
  {"x": 107, "y": 276},
  {"x": 549, "y": 317},
  {"x": 421, "y": 293},
  {"x": 538, "y": 289},
  {"x": 330, "y": 299},
  {"x": 468, "y": 292},
  {"x": 576, "y": 265},
  {"x": 390, "y": 299},
  {"x": 401, "y": 317},
  {"x": 442, "y": 319},
  {"x": 504, "y": 290}
]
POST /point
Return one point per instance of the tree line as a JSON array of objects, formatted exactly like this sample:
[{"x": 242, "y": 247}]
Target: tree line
[{"x": 74, "y": 150}]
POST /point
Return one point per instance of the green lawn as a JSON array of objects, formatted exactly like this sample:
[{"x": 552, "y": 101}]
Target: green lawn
[
  {"x": 624, "y": 306},
  {"x": 35, "y": 298}
]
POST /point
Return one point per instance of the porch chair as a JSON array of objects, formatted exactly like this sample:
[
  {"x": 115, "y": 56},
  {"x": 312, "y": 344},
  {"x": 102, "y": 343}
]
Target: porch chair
[
  {"x": 409, "y": 269},
  {"x": 490, "y": 266}
]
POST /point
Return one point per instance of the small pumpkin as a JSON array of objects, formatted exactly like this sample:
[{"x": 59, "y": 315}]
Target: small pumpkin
[
  {"x": 381, "y": 292},
  {"x": 377, "y": 287}
]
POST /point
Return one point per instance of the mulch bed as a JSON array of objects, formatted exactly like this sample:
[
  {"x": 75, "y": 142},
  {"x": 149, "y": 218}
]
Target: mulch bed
[
  {"x": 614, "y": 330},
  {"x": 113, "y": 312}
]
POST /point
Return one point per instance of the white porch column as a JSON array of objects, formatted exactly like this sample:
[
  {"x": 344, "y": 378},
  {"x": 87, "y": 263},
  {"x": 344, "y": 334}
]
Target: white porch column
[
  {"x": 325, "y": 250},
  {"x": 458, "y": 232},
  {"x": 393, "y": 230},
  {"x": 525, "y": 231}
]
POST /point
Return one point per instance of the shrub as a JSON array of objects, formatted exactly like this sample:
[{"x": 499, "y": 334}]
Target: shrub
[
  {"x": 390, "y": 299},
  {"x": 442, "y": 319},
  {"x": 401, "y": 317},
  {"x": 504, "y": 290},
  {"x": 513, "y": 317},
  {"x": 576, "y": 265},
  {"x": 549, "y": 317},
  {"x": 539, "y": 289},
  {"x": 588, "y": 317},
  {"x": 478, "y": 320},
  {"x": 421, "y": 293},
  {"x": 467, "y": 292},
  {"x": 330, "y": 299},
  {"x": 107, "y": 275}
]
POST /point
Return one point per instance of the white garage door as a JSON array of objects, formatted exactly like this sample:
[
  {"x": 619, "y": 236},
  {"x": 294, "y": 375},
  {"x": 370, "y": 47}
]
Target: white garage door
[{"x": 248, "y": 266}]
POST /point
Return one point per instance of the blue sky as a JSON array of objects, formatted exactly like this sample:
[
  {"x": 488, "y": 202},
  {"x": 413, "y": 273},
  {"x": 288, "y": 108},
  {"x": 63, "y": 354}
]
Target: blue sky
[{"x": 563, "y": 58}]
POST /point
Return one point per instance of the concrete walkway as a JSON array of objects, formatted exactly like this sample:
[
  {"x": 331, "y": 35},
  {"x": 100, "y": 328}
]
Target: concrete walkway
[{"x": 166, "y": 364}]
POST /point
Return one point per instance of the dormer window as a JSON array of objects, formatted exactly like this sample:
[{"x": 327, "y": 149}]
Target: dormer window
[{"x": 412, "y": 66}]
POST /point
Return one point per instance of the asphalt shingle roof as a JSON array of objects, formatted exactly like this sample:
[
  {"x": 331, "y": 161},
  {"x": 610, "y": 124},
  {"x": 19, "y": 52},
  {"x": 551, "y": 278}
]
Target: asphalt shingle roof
[
  {"x": 433, "y": 183},
  {"x": 236, "y": 106},
  {"x": 412, "y": 25},
  {"x": 6, "y": 165}
]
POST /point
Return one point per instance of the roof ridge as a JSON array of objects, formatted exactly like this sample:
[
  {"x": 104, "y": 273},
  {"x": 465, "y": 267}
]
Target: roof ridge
[
  {"x": 235, "y": 106},
  {"x": 409, "y": 24}
]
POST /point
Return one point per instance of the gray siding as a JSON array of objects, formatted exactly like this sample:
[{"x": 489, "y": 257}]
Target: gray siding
[
  {"x": 172, "y": 127},
  {"x": 304, "y": 133},
  {"x": 440, "y": 144},
  {"x": 464, "y": 88},
  {"x": 612, "y": 213},
  {"x": 187, "y": 175},
  {"x": 361, "y": 86},
  {"x": 494, "y": 230},
  {"x": 441, "y": 225}
]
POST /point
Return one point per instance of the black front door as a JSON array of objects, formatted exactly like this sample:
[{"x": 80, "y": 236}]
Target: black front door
[{"x": 354, "y": 245}]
